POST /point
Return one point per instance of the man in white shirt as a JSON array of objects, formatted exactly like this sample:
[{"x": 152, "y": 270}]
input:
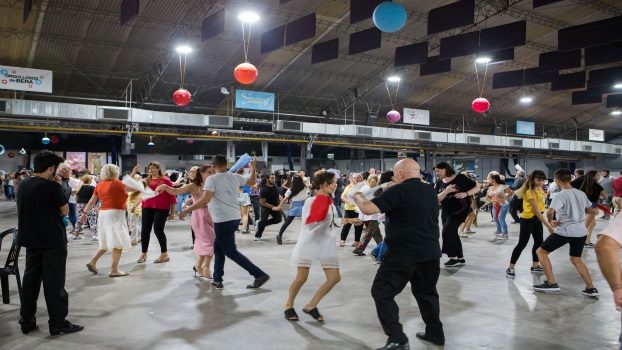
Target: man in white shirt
[
  {"x": 220, "y": 193},
  {"x": 570, "y": 205}
]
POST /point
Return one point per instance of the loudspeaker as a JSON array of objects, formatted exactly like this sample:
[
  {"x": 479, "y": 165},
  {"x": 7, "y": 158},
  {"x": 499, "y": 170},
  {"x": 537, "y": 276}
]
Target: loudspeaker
[
  {"x": 128, "y": 161},
  {"x": 371, "y": 118}
]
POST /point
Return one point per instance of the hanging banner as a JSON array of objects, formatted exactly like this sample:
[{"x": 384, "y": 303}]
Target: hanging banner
[
  {"x": 230, "y": 152},
  {"x": 416, "y": 116},
  {"x": 597, "y": 135},
  {"x": 262, "y": 101},
  {"x": 264, "y": 151},
  {"x": 25, "y": 79}
]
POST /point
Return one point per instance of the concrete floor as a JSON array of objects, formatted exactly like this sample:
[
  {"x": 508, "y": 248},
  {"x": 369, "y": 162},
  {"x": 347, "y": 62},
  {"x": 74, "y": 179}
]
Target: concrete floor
[{"x": 161, "y": 306}]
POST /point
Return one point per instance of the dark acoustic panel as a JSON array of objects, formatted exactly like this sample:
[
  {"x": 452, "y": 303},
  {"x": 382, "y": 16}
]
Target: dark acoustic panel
[
  {"x": 459, "y": 45},
  {"x": 325, "y": 51},
  {"x": 535, "y": 76},
  {"x": 362, "y": 9},
  {"x": 129, "y": 10},
  {"x": 601, "y": 90},
  {"x": 550, "y": 61},
  {"x": 584, "y": 98},
  {"x": 455, "y": 15},
  {"x": 604, "y": 77},
  {"x": 300, "y": 29},
  {"x": 508, "y": 79},
  {"x": 27, "y": 10},
  {"x": 213, "y": 25},
  {"x": 411, "y": 54},
  {"x": 591, "y": 34},
  {"x": 603, "y": 54},
  {"x": 540, "y": 3},
  {"x": 569, "y": 82},
  {"x": 503, "y": 37},
  {"x": 281, "y": 2},
  {"x": 614, "y": 101},
  {"x": 365, "y": 40},
  {"x": 434, "y": 66},
  {"x": 272, "y": 39}
]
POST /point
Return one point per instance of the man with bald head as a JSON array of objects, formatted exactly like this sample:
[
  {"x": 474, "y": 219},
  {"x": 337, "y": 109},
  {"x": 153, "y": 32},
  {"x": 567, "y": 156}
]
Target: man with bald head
[{"x": 412, "y": 240}]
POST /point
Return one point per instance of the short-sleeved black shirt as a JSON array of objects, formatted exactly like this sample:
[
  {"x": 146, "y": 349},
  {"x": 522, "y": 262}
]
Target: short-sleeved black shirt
[
  {"x": 39, "y": 221},
  {"x": 411, "y": 220},
  {"x": 271, "y": 194},
  {"x": 452, "y": 205},
  {"x": 596, "y": 190}
]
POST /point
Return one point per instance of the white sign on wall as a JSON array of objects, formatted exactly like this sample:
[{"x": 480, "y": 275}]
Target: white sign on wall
[
  {"x": 416, "y": 116},
  {"x": 25, "y": 79},
  {"x": 597, "y": 135}
]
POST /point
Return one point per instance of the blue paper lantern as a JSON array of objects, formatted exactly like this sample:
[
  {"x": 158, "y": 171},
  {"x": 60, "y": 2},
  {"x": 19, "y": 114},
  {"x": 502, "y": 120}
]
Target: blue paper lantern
[
  {"x": 45, "y": 140},
  {"x": 390, "y": 17}
]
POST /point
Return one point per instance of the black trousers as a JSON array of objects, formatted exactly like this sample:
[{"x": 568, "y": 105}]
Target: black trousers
[
  {"x": 345, "y": 230},
  {"x": 452, "y": 246},
  {"x": 156, "y": 219},
  {"x": 528, "y": 228},
  {"x": 264, "y": 221},
  {"x": 286, "y": 223},
  {"x": 514, "y": 204},
  {"x": 256, "y": 203},
  {"x": 391, "y": 278},
  {"x": 45, "y": 266}
]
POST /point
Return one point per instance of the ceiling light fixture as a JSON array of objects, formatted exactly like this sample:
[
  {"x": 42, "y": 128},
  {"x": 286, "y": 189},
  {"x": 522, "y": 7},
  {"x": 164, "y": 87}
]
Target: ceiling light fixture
[
  {"x": 183, "y": 49},
  {"x": 394, "y": 79},
  {"x": 483, "y": 60},
  {"x": 526, "y": 99},
  {"x": 616, "y": 113},
  {"x": 248, "y": 17},
  {"x": 617, "y": 86}
]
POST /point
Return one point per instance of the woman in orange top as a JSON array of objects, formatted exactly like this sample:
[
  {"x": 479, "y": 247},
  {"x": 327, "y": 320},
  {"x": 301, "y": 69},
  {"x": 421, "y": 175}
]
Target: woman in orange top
[{"x": 111, "y": 223}]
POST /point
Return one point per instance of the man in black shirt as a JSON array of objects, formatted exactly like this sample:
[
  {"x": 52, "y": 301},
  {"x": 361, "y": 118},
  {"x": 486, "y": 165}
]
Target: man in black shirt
[
  {"x": 269, "y": 201},
  {"x": 41, "y": 206},
  {"x": 413, "y": 255}
]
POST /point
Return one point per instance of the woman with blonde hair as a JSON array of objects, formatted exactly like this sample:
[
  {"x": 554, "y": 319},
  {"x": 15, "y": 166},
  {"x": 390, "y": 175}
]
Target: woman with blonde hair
[
  {"x": 155, "y": 212},
  {"x": 200, "y": 221},
  {"x": 84, "y": 192},
  {"x": 134, "y": 213},
  {"x": 113, "y": 230}
]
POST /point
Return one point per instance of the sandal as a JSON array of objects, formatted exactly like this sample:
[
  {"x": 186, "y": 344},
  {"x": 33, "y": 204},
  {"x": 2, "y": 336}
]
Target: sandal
[
  {"x": 291, "y": 315},
  {"x": 91, "y": 268},
  {"x": 119, "y": 275},
  {"x": 142, "y": 259},
  {"x": 315, "y": 313},
  {"x": 342, "y": 243}
]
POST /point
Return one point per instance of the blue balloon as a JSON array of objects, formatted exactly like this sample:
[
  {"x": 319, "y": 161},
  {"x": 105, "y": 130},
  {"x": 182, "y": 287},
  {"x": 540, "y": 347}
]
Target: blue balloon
[
  {"x": 390, "y": 17},
  {"x": 45, "y": 140}
]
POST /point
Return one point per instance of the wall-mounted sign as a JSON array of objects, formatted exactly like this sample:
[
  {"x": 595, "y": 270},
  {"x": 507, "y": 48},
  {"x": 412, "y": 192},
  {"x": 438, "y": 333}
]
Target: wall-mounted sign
[
  {"x": 597, "y": 135},
  {"x": 416, "y": 116},
  {"x": 262, "y": 101},
  {"x": 25, "y": 79},
  {"x": 525, "y": 128}
]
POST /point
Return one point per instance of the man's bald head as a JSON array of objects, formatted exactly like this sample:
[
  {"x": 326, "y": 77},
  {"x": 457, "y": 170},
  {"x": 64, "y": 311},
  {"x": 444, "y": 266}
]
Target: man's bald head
[{"x": 405, "y": 169}]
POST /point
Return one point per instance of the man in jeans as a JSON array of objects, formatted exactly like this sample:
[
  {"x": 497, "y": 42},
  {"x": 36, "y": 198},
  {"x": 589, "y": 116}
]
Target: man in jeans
[
  {"x": 269, "y": 199},
  {"x": 606, "y": 182},
  {"x": 41, "y": 206},
  {"x": 220, "y": 192}
]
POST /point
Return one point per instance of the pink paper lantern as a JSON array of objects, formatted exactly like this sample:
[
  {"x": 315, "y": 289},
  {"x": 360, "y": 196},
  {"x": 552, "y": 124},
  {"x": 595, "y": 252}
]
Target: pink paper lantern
[
  {"x": 182, "y": 97},
  {"x": 393, "y": 116},
  {"x": 480, "y": 105}
]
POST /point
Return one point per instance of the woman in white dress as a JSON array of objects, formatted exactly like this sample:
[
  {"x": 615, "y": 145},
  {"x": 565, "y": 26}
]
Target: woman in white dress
[
  {"x": 111, "y": 224},
  {"x": 316, "y": 244}
]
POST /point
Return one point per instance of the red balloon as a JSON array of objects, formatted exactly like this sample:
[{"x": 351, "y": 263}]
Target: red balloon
[
  {"x": 54, "y": 139},
  {"x": 245, "y": 73},
  {"x": 480, "y": 105},
  {"x": 182, "y": 97}
]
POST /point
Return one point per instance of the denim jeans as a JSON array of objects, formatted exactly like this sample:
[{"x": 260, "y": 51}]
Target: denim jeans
[{"x": 502, "y": 226}]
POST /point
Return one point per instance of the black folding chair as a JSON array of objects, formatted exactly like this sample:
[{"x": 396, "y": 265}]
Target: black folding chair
[{"x": 10, "y": 267}]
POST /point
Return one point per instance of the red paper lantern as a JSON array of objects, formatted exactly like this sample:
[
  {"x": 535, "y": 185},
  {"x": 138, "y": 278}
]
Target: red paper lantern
[
  {"x": 11, "y": 155},
  {"x": 245, "y": 73},
  {"x": 182, "y": 97},
  {"x": 480, "y": 105},
  {"x": 54, "y": 139}
]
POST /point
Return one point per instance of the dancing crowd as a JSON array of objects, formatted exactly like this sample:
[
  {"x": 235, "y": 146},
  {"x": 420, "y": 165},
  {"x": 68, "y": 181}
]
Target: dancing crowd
[{"x": 398, "y": 209}]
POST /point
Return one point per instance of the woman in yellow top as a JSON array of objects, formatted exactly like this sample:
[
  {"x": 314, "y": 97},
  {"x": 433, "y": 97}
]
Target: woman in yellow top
[
  {"x": 350, "y": 212},
  {"x": 531, "y": 220}
]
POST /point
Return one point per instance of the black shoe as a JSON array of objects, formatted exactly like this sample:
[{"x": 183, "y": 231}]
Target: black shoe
[
  {"x": 217, "y": 285},
  {"x": 455, "y": 262},
  {"x": 546, "y": 287},
  {"x": 67, "y": 327},
  {"x": 259, "y": 282},
  {"x": 395, "y": 346},
  {"x": 29, "y": 327},
  {"x": 279, "y": 239},
  {"x": 433, "y": 340},
  {"x": 590, "y": 292}
]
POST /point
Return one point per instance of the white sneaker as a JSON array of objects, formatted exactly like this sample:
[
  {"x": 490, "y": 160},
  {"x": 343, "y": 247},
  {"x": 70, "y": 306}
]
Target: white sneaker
[{"x": 503, "y": 236}]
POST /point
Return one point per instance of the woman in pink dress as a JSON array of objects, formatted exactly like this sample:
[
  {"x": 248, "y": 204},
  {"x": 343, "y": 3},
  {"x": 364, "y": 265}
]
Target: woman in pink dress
[{"x": 200, "y": 221}]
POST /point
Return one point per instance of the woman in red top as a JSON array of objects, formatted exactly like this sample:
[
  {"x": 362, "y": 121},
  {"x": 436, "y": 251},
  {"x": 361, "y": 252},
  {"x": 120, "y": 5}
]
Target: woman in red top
[
  {"x": 111, "y": 225},
  {"x": 155, "y": 211}
]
